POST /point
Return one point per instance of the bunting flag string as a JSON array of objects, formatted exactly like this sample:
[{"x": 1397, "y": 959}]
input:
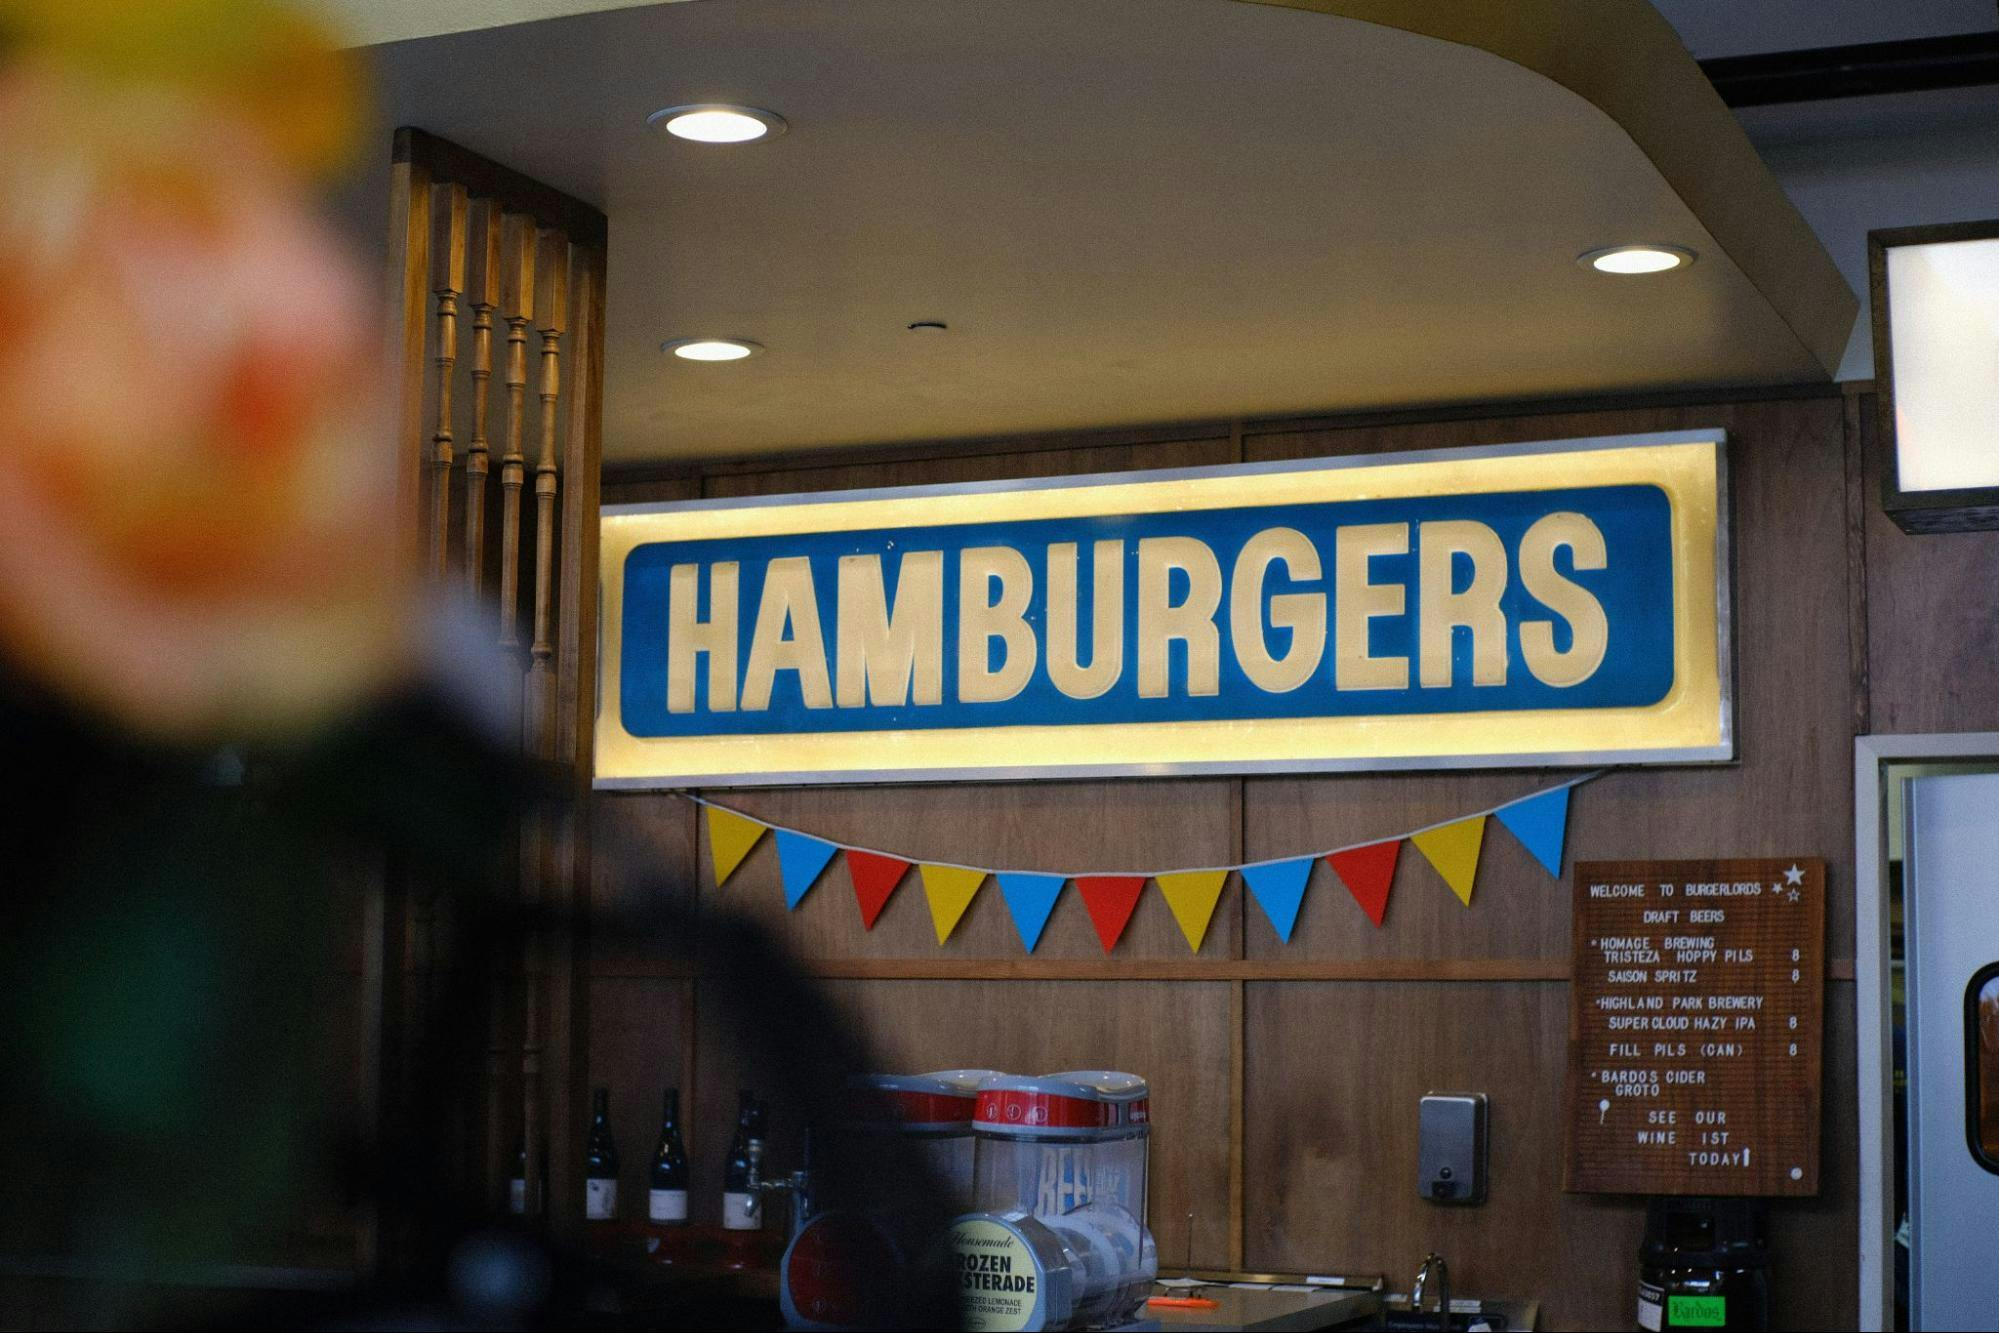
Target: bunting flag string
[
  {"x": 730, "y": 838},
  {"x": 1192, "y": 895},
  {"x": 1111, "y": 899},
  {"x": 950, "y": 890},
  {"x": 1368, "y": 872},
  {"x": 800, "y": 858},
  {"x": 875, "y": 877},
  {"x": 1279, "y": 889},
  {"x": 1030, "y": 899},
  {"x": 1538, "y": 821},
  {"x": 1453, "y": 851}
]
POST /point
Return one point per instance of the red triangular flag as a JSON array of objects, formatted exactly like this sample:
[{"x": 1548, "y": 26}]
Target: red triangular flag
[
  {"x": 1111, "y": 900},
  {"x": 1368, "y": 872},
  {"x": 875, "y": 877}
]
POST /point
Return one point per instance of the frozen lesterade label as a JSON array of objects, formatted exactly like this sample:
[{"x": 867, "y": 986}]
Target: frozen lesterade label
[{"x": 1001, "y": 1284}]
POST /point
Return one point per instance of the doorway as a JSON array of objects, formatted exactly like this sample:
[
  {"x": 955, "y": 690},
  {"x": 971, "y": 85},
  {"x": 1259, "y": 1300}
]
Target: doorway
[{"x": 1927, "y": 972}]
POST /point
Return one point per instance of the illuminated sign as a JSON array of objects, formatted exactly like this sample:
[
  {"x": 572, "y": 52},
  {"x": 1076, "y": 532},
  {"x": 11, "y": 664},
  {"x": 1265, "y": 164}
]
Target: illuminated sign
[{"x": 1535, "y": 604}]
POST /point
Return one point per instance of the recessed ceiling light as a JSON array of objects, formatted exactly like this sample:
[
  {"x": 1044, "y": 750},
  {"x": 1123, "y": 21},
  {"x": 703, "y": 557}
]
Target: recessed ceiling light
[
  {"x": 1629, "y": 259},
  {"x": 711, "y": 349},
  {"x": 717, "y": 122}
]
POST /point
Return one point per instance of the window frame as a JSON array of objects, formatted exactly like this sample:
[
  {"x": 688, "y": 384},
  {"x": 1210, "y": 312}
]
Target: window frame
[{"x": 1983, "y": 1154}]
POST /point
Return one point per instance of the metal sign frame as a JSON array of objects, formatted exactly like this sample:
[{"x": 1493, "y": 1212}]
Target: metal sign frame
[{"x": 1697, "y": 487}]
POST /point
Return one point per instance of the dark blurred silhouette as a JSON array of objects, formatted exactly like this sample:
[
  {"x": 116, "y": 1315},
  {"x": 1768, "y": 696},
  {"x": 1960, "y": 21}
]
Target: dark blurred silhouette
[{"x": 167, "y": 934}]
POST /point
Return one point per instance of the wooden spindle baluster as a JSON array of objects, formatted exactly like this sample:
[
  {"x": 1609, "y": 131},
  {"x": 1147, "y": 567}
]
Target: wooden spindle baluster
[
  {"x": 483, "y": 286},
  {"x": 551, "y": 318},
  {"x": 447, "y": 260},
  {"x": 517, "y": 255},
  {"x": 576, "y": 561}
]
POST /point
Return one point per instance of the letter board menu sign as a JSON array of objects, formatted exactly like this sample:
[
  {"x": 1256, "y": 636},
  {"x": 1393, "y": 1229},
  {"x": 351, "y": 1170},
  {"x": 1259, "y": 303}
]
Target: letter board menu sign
[
  {"x": 1530, "y": 604},
  {"x": 1694, "y": 1027}
]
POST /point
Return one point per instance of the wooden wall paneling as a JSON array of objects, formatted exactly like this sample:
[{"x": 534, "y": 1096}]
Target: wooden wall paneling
[
  {"x": 1859, "y": 501},
  {"x": 1165, "y": 1030},
  {"x": 876, "y": 456},
  {"x": 645, "y": 844},
  {"x": 641, "y": 1042},
  {"x": 1813, "y": 1241},
  {"x": 1933, "y": 615},
  {"x": 1789, "y": 794},
  {"x": 565, "y": 664},
  {"x": 1101, "y": 456},
  {"x": 1319, "y": 1085},
  {"x": 1335, "y": 1074}
]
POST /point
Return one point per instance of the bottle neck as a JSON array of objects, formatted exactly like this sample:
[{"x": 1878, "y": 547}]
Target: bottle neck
[{"x": 670, "y": 1113}]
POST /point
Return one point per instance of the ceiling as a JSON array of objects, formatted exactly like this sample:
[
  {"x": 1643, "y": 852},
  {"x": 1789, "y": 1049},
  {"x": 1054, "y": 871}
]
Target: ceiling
[
  {"x": 1708, "y": 27},
  {"x": 1133, "y": 211},
  {"x": 1713, "y": 28}
]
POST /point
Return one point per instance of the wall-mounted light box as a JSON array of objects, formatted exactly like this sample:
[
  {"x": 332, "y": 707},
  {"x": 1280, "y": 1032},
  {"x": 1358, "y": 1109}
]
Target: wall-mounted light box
[{"x": 1936, "y": 369}]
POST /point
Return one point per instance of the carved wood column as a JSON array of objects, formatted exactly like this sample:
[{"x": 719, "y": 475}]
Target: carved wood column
[
  {"x": 447, "y": 256},
  {"x": 517, "y": 256},
  {"x": 551, "y": 319},
  {"x": 483, "y": 286}
]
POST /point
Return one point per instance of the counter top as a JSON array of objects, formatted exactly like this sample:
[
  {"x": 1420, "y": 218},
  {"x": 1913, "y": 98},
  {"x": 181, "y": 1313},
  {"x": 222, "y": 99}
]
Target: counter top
[{"x": 1246, "y": 1308}]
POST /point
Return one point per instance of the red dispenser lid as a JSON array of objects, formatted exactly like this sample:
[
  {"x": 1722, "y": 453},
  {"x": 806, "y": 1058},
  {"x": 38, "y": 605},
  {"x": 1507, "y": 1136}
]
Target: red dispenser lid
[
  {"x": 1083, "y": 1104},
  {"x": 914, "y": 1103}
]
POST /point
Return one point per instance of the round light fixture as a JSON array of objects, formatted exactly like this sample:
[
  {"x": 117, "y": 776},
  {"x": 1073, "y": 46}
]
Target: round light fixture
[
  {"x": 1631, "y": 259},
  {"x": 718, "y": 122},
  {"x": 711, "y": 349}
]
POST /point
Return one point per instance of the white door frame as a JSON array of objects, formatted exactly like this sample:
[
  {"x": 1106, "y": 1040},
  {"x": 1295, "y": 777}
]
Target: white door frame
[{"x": 1873, "y": 1030}]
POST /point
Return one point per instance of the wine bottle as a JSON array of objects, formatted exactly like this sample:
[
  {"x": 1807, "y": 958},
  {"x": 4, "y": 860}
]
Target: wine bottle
[
  {"x": 600, "y": 1163},
  {"x": 517, "y": 1187},
  {"x": 517, "y": 1184},
  {"x": 667, "y": 1199},
  {"x": 739, "y": 1201}
]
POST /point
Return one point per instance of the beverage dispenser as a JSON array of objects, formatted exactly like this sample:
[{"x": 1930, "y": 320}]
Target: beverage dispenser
[
  {"x": 838, "y": 1268},
  {"x": 1059, "y": 1238},
  {"x": 932, "y": 1113}
]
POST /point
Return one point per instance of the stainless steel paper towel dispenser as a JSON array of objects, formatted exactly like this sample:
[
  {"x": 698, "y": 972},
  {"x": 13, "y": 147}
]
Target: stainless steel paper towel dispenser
[{"x": 1451, "y": 1133}]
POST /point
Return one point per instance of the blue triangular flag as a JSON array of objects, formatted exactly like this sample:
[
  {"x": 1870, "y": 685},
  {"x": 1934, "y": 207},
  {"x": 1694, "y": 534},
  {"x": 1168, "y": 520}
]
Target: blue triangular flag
[
  {"x": 1030, "y": 898},
  {"x": 1541, "y": 822},
  {"x": 799, "y": 860},
  {"x": 1279, "y": 889}
]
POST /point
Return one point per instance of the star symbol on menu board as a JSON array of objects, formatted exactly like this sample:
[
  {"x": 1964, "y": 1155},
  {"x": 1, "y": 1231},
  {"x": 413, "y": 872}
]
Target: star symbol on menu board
[
  {"x": 1792, "y": 896},
  {"x": 1794, "y": 875}
]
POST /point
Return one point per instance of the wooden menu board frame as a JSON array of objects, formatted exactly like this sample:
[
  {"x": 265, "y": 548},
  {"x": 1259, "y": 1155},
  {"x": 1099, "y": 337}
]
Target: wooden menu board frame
[{"x": 1696, "y": 1027}]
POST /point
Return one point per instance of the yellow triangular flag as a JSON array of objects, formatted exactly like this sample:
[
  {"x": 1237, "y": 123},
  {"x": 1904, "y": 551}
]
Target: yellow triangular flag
[
  {"x": 1192, "y": 894},
  {"x": 1453, "y": 850},
  {"x": 950, "y": 890},
  {"x": 730, "y": 838}
]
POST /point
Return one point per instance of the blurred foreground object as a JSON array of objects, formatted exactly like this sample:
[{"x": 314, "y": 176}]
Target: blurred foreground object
[
  {"x": 269, "y": 66},
  {"x": 195, "y": 537}
]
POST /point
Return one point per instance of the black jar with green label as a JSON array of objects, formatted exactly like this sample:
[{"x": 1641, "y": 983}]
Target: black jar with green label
[{"x": 1704, "y": 1264}]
